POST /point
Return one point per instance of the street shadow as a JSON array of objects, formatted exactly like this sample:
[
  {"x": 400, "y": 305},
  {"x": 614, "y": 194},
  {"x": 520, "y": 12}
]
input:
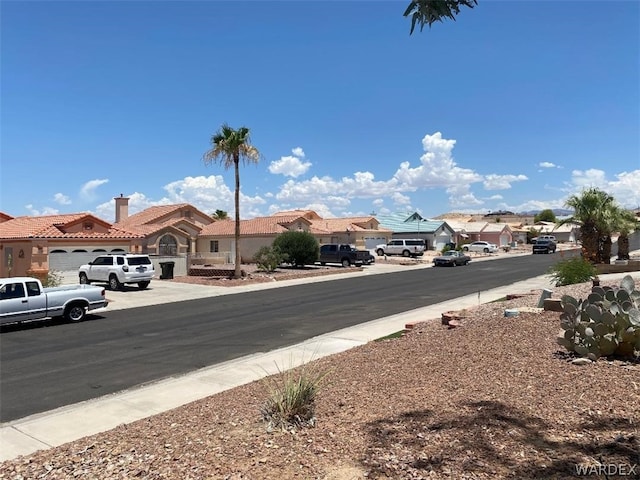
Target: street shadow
[
  {"x": 493, "y": 440},
  {"x": 45, "y": 323}
]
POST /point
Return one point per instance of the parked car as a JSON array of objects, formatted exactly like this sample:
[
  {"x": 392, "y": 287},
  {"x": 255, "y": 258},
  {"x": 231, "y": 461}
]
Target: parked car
[
  {"x": 451, "y": 258},
  {"x": 24, "y": 298},
  {"x": 407, "y": 247},
  {"x": 118, "y": 270},
  {"x": 544, "y": 246},
  {"x": 542, "y": 237},
  {"x": 344, "y": 254},
  {"x": 481, "y": 247}
]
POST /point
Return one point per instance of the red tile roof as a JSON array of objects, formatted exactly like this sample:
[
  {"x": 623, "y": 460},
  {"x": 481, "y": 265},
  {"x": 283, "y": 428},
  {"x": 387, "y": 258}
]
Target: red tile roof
[
  {"x": 154, "y": 214},
  {"x": 54, "y": 226},
  {"x": 279, "y": 223},
  {"x": 255, "y": 226}
]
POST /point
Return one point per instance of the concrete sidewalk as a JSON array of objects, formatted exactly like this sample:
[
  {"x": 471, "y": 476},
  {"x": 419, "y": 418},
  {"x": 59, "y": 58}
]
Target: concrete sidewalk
[{"x": 65, "y": 424}]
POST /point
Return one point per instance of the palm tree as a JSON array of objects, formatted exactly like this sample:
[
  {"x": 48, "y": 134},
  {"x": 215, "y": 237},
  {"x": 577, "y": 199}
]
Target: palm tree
[
  {"x": 427, "y": 12},
  {"x": 220, "y": 215},
  {"x": 597, "y": 214},
  {"x": 229, "y": 146},
  {"x": 628, "y": 223}
]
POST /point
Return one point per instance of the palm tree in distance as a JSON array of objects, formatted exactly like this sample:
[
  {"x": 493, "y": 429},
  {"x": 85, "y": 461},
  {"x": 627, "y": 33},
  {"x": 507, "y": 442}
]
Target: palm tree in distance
[
  {"x": 598, "y": 216},
  {"x": 220, "y": 215},
  {"x": 229, "y": 146}
]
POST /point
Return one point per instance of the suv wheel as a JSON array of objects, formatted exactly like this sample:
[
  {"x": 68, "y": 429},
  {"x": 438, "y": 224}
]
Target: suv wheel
[
  {"x": 114, "y": 283},
  {"x": 465, "y": 249},
  {"x": 380, "y": 252},
  {"x": 83, "y": 279},
  {"x": 406, "y": 253}
]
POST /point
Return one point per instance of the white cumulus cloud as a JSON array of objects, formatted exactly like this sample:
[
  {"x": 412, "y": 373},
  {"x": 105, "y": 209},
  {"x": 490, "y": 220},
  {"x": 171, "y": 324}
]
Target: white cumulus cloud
[
  {"x": 501, "y": 182},
  {"x": 61, "y": 199},
  {"x": 88, "y": 190},
  {"x": 289, "y": 166},
  {"x": 547, "y": 165}
]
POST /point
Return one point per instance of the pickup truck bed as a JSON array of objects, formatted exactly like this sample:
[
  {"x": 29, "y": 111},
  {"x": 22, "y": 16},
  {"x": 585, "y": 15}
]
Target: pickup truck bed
[{"x": 24, "y": 298}]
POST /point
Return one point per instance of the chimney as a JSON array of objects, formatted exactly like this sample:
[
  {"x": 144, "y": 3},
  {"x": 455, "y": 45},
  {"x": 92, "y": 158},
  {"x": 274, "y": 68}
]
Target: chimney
[{"x": 122, "y": 208}]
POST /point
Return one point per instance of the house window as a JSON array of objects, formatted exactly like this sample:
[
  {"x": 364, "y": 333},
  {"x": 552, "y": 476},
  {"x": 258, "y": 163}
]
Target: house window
[
  {"x": 168, "y": 245},
  {"x": 214, "y": 247},
  {"x": 186, "y": 213}
]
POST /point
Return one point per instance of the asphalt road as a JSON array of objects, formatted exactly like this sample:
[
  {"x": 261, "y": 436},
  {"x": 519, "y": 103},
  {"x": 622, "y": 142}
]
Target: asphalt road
[{"x": 48, "y": 365}]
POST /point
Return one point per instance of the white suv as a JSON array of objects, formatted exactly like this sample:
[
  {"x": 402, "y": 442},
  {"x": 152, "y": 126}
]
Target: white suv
[
  {"x": 407, "y": 247},
  {"x": 118, "y": 270}
]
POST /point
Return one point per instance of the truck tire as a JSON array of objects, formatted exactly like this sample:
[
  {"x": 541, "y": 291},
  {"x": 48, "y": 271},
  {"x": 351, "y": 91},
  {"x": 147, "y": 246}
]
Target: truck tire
[
  {"x": 380, "y": 252},
  {"x": 114, "y": 283},
  {"x": 75, "y": 312},
  {"x": 143, "y": 285},
  {"x": 346, "y": 262},
  {"x": 84, "y": 280}
]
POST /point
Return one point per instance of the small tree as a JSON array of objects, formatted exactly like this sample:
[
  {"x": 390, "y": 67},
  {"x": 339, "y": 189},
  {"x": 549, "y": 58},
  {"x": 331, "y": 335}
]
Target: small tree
[
  {"x": 545, "y": 215},
  {"x": 531, "y": 234},
  {"x": 268, "y": 258},
  {"x": 297, "y": 248}
]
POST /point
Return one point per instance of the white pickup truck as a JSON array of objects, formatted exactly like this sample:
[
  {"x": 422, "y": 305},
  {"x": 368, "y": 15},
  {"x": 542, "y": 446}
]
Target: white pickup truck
[{"x": 24, "y": 298}]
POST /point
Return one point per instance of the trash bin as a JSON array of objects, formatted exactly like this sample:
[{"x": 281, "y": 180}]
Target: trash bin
[{"x": 167, "y": 270}]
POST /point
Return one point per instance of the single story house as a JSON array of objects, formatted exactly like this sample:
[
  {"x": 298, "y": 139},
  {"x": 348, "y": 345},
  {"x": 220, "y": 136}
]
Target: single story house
[
  {"x": 470, "y": 231},
  {"x": 219, "y": 237},
  {"x": 36, "y": 245},
  {"x": 569, "y": 232},
  {"x": 435, "y": 233}
]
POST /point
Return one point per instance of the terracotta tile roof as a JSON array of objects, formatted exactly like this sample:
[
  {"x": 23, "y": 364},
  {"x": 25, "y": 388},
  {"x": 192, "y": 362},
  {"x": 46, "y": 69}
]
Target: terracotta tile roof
[
  {"x": 277, "y": 224},
  {"x": 151, "y": 228},
  {"x": 255, "y": 226},
  {"x": 352, "y": 223},
  {"x": 308, "y": 214},
  {"x": 154, "y": 214},
  {"x": 54, "y": 226}
]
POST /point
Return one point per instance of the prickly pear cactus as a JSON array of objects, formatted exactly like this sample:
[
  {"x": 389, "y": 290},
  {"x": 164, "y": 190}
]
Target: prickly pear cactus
[{"x": 606, "y": 323}]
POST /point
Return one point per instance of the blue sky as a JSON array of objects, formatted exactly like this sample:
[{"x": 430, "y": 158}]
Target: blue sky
[{"x": 514, "y": 106}]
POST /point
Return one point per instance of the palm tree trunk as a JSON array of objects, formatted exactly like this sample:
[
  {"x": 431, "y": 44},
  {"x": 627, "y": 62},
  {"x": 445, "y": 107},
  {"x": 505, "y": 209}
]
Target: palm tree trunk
[
  {"x": 236, "y": 163},
  {"x": 606, "y": 250},
  {"x": 589, "y": 238},
  {"x": 623, "y": 246}
]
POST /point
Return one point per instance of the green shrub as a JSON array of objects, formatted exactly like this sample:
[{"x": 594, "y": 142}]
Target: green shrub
[
  {"x": 297, "y": 248},
  {"x": 291, "y": 397},
  {"x": 606, "y": 323},
  {"x": 53, "y": 279},
  {"x": 268, "y": 258},
  {"x": 572, "y": 270}
]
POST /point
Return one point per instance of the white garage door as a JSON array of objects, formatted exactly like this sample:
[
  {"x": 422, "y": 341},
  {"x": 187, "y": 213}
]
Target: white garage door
[{"x": 67, "y": 260}]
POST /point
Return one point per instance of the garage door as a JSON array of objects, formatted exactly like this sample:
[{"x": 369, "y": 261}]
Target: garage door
[
  {"x": 371, "y": 242},
  {"x": 70, "y": 260}
]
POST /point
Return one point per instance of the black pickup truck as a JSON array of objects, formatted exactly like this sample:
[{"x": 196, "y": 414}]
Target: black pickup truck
[{"x": 344, "y": 254}]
